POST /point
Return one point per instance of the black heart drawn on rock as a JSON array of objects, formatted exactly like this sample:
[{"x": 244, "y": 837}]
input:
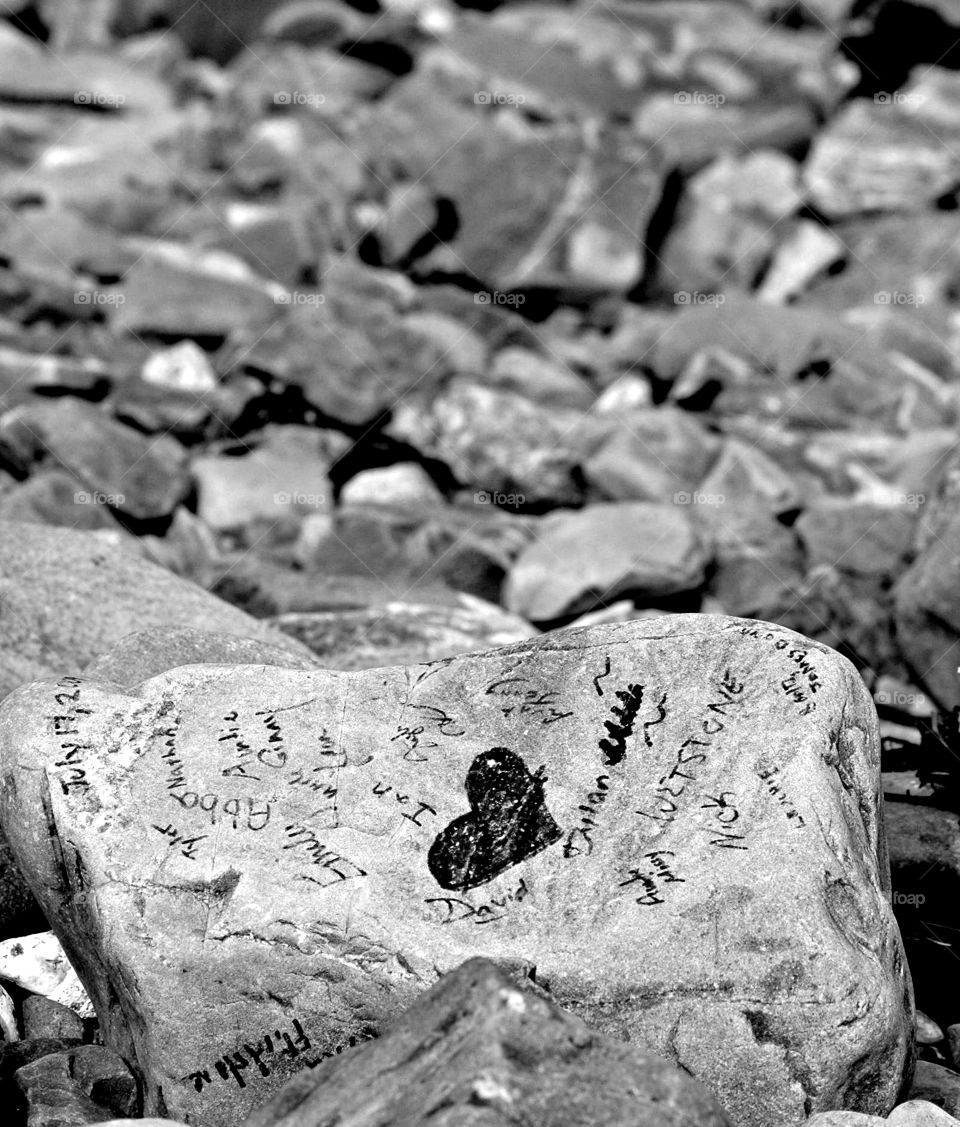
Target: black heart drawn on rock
[{"x": 508, "y": 822}]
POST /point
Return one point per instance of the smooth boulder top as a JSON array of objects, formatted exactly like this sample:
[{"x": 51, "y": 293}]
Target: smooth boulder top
[
  {"x": 68, "y": 596},
  {"x": 676, "y": 820}
]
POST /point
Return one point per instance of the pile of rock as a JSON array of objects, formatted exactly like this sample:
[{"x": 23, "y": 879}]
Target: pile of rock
[{"x": 341, "y": 339}]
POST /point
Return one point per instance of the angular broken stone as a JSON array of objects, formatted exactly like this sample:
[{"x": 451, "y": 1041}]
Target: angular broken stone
[
  {"x": 117, "y": 466},
  {"x": 588, "y": 557},
  {"x": 896, "y": 153},
  {"x": 676, "y": 821},
  {"x": 77, "y": 1086},
  {"x": 475, "y": 1041}
]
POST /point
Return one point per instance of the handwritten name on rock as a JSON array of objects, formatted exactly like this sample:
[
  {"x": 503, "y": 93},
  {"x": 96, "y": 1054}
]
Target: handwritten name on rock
[
  {"x": 804, "y": 681},
  {"x": 176, "y": 837},
  {"x": 333, "y": 865},
  {"x": 723, "y": 817},
  {"x": 769, "y": 777},
  {"x": 235, "y": 1064},
  {"x": 692, "y": 753},
  {"x": 657, "y": 870},
  {"x": 70, "y": 772},
  {"x": 580, "y": 838},
  {"x": 423, "y": 809},
  {"x": 519, "y": 696},
  {"x": 458, "y": 908}
]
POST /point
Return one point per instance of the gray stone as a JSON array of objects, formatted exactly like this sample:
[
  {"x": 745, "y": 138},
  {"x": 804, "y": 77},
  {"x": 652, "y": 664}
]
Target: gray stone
[
  {"x": 406, "y": 483},
  {"x": 20, "y": 914},
  {"x": 896, "y": 153},
  {"x": 938, "y": 1085},
  {"x": 145, "y": 653},
  {"x": 538, "y": 377},
  {"x": 66, "y": 597},
  {"x": 926, "y": 614},
  {"x": 42, "y": 1017},
  {"x": 50, "y": 496},
  {"x": 475, "y": 1049},
  {"x": 77, "y": 1087},
  {"x": 588, "y": 557},
  {"x": 284, "y": 477},
  {"x": 920, "y": 1113},
  {"x": 164, "y": 297},
  {"x": 928, "y": 1032},
  {"x": 648, "y": 454},
  {"x": 235, "y": 852},
  {"x": 727, "y": 224},
  {"x": 869, "y": 540},
  {"x": 402, "y": 633},
  {"x": 497, "y": 442},
  {"x": 118, "y": 466}
]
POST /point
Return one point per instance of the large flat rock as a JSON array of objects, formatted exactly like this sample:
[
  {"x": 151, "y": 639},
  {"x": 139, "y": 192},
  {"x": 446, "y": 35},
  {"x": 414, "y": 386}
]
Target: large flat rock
[
  {"x": 676, "y": 820},
  {"x": 68, "y": 596}
]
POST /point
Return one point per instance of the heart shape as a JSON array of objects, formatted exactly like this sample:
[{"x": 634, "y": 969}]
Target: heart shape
[{"x": 508, "y": 822}]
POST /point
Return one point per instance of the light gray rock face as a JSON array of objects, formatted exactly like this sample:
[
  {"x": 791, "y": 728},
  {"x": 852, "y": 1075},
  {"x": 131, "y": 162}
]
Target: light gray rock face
[
  {"x": 67, "y": 596},
  {"x": 676, "y": 820},
  {"x": 590, "y": 556}
]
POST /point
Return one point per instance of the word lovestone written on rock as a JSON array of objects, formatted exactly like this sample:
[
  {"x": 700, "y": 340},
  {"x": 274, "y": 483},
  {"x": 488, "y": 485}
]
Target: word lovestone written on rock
[{"x": 676, "y": 821}]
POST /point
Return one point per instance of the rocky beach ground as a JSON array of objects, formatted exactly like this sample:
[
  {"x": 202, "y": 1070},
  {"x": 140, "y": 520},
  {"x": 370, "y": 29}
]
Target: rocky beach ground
[{"x": 479, "y": 563}]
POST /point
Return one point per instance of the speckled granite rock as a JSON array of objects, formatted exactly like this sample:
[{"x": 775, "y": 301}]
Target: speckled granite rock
[{"x": 252, "y": 866}]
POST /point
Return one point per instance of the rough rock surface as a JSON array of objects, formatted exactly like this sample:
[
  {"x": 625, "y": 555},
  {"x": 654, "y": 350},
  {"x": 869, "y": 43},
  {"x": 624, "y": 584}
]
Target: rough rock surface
[
  {"x": 77, "y": 1086},
  {"x": 476, "y": 1050},
  {"x": 67, "y": 596},
  {"x": 251, "y": 867},
  {"x": 580, "y": 559},
  {"x": 403, "y": 633},
  {"x": 937, "y": 1085},
  {"x": 145, "y": 653}
]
